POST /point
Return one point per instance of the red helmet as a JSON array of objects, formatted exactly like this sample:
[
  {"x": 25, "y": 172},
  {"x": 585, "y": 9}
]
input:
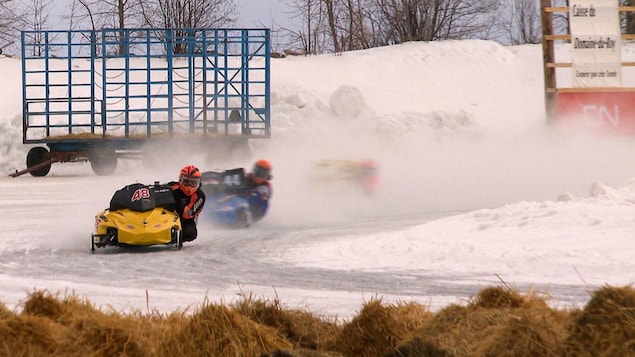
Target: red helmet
[
  {"x": 189, "y": 179},
  {"x": 261, "y": 171}
]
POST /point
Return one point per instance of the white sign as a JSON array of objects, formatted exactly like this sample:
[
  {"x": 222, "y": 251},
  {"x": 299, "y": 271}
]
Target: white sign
[{"x": 596, "y": 43}]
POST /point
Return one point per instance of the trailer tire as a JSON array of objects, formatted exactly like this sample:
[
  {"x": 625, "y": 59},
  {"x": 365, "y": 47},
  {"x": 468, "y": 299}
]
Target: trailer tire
[
  {"x": 103, "y": 161},
  {"x": 36, "y": 156}
]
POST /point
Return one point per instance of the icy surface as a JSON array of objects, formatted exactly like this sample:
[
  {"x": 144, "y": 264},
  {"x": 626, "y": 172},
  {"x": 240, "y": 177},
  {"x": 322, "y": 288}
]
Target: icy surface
[{"x": 476, "y": 189}]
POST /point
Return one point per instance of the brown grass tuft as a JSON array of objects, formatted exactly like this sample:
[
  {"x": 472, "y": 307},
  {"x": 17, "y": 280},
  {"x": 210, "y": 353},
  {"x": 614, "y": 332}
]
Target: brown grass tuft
[
  {"x": 42, "y": 303},
  {"x": 106, "y": 335},
  {"x": 418, "y": 347},
  {"x": 498, "y": 297},
  {"x": 606, "y": 326},
  {"x": 45, "y": 304},
  {"x": 218, "y": 331},
  {"x": 301, "y": 328},
  {"x": 496, "y": 322},
  {"x": 27, "y": 336},
  {"x": 378, "y": 328},
  {"x": 525, "y": 333},
  {"x": 83, "y": 330}
]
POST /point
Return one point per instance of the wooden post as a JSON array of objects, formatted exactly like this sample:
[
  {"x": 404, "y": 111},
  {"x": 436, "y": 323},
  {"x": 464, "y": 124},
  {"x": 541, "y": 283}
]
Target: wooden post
[{"x": 548, "y": 57}]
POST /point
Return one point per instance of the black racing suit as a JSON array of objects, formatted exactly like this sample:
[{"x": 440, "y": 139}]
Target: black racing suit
[{"x": 188, "y": 208}]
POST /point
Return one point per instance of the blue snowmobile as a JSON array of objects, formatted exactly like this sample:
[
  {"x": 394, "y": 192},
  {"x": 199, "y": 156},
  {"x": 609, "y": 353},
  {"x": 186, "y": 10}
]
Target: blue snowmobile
[{"x": 227, "y": 198}]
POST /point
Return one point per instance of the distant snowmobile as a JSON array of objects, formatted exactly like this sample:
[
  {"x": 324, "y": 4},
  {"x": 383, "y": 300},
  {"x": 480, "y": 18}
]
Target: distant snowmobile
[{"x": 363, "y": 174}]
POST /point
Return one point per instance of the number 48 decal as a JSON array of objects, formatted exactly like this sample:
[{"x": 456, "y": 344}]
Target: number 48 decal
[{"x": 140, "y": 193}]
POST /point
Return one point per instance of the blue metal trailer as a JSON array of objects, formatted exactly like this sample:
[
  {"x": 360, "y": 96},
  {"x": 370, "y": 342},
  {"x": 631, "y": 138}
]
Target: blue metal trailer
[{"x": 102, "y": 95}]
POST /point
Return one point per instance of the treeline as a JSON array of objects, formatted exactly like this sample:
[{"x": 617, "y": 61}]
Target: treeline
[{"x": 320, "y": 26}]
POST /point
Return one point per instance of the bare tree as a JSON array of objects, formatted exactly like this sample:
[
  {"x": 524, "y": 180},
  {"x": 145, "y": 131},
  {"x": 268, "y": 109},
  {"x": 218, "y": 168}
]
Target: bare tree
[
  {"x": 187, "y": 14},
  {"x": 361, "y": 27},
  {"x": 117, "y": 14},
  {"x": 11, "y": 19},
  {"x": 332, "y": 24},
  {"x": 310, "y": 36},
  {"x": 520, "y": 20},
  {"x": 315, "y": 17},
  {"x": 359, "y": 24},
  {"x": 37, "y": 21},
  {"x": 336, "y": 25},
  {"x": 430, "y": 20}
]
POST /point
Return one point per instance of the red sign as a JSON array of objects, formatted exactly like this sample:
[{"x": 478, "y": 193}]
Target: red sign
[{"x": 608, "y": 110}]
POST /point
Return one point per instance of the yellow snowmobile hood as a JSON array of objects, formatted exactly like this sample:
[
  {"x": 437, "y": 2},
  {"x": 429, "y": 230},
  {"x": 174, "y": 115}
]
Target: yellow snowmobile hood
[{"x": 139, "y": 228}]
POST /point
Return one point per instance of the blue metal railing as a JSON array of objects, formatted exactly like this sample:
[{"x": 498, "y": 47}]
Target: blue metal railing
[{"x": 128, "y": 84}]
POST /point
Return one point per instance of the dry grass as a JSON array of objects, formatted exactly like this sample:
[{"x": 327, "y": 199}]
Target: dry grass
[
  {"x": 378, "y": 328},
  {"x": 499, "y": 321},
  {"x": 606, "y": 326},
  {"x": 301, "y": 328}
]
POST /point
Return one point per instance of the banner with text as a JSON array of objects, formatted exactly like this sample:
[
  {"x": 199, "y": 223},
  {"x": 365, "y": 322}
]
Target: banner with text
[
  {"x": 596, "y": 43},
  {"x": 612, "y": 110}
]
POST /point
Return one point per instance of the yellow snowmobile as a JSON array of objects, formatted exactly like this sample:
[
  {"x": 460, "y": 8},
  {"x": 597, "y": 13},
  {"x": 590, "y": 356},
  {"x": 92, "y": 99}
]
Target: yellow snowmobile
[
  {"x": 342, "y": 173},
  {"x": 138, "y": 215}
]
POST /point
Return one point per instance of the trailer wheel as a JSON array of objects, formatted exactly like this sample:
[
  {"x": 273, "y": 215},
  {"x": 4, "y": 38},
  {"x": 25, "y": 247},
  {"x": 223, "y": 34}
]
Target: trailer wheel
[
  {"x": 38, "y": 156},
  {"x": 103, "y": 161}
]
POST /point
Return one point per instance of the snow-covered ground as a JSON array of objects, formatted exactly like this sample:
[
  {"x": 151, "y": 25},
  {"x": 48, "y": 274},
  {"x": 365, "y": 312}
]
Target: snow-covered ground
[{"x": 475, "y": 189}]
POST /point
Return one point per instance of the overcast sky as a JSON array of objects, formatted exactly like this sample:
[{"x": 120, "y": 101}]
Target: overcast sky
[
  {"x": 251, "y": 12},
  {"x": 266, "y": 12}
]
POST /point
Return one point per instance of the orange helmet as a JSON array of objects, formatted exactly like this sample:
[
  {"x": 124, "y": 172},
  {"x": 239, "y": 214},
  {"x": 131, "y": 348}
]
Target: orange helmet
[
  {"x": 189, "y": 179},
  {"x": 261, "y": 171}
]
